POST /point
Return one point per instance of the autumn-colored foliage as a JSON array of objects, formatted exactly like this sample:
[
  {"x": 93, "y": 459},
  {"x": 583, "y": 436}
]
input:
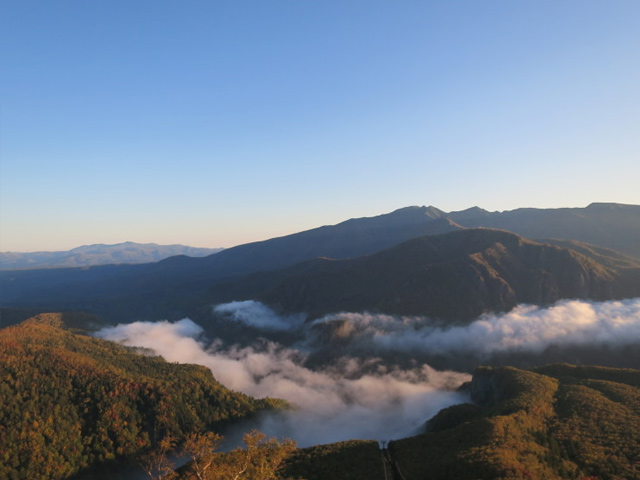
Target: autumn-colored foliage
[
  {"x": 69, "y": 401},
  {"x": 260, "y": 459},
  {"x": 556, "y": 422}
]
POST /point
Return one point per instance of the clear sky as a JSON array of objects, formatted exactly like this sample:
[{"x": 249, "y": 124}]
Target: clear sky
[{"x": 219, "y": 122}]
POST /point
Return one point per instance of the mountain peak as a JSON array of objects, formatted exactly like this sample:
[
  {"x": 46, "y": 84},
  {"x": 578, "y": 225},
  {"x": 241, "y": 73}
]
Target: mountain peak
[
  {"x": 475, "y": 211},
  {"x": 415, "y": 211}
]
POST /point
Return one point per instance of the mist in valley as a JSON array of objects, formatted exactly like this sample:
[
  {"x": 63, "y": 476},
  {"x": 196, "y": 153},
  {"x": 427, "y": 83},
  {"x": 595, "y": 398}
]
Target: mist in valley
[
  {"x": 353, "y": 398},
  {"x": 358, "y": 393}
]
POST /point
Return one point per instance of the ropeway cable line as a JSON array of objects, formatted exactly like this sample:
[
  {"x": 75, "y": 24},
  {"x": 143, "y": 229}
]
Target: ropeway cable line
[{"x": 387, "y": 459}]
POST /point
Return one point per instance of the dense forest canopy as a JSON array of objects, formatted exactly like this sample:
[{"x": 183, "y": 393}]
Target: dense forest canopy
[
  {"x": 69, "y": 401},
  {"x": 558, "y": 421}
]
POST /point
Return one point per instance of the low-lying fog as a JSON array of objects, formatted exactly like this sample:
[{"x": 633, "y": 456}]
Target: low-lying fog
[{"x": 363, "y": 396}]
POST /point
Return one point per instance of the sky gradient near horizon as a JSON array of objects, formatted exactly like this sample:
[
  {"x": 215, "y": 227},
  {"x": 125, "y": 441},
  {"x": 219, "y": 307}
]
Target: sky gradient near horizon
[{"x": 212, "y": 123}]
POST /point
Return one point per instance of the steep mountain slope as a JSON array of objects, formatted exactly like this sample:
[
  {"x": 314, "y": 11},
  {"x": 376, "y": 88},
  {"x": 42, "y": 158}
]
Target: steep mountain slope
[
  {"x": 69, "y": 401},
  {"x": 127, "y": 253},
  {"x": 455, "y": 276},
  {"x": 350, "y": 239},
  {"x": 606, "y": 256},
  {"x": 353, "y": 460}
]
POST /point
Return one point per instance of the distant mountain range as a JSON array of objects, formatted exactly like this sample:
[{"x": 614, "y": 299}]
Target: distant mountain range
[
  {"x": 478, "y": 271},
  {"x": 100, "y": 254}
]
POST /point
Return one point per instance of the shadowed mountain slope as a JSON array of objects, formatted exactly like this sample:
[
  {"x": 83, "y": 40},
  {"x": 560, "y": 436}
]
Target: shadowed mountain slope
[
  {"x": 608, "y": 225},
  {"x": 171, "y": 287},
  {"x": 454, "y": 276},
  {"x": 178, "y": 277},
  {"x": 605, "y": 256}
]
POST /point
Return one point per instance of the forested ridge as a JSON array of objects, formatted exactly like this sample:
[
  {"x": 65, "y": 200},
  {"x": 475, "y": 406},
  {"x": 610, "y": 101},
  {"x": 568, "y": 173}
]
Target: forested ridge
[
  {"x": 69, "y": 401},
  {"x": 556, "y": 422}
]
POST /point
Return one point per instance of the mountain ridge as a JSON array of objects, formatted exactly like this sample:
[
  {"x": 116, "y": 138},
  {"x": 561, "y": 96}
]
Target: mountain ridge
[
  {"x": 167, "y": 287},
  {"x": 610, "y": 225},
  {"x": 455, "y": 276}
]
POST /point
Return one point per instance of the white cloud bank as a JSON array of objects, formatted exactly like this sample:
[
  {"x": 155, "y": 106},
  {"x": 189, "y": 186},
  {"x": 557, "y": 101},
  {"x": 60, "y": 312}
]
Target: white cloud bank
[
  {"x": 334, "y": 405},
  {"x": 256, "y": 314},
  {"x": 347, "y": 400},
  {"x": 524, "y": 329}
]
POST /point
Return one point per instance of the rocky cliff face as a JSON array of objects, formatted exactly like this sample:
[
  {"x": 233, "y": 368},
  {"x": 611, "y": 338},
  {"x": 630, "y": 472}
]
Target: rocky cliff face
[{"x": 487, "y": 388}]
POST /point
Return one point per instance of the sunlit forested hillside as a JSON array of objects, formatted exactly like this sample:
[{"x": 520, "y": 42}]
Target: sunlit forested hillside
[
  {"x": 68, "y": 401},
  {"x": 556, "y": 422}
]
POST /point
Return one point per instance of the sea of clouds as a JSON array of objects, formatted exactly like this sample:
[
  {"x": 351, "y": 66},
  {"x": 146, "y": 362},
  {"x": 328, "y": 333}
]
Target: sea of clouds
[
  {"x": 364, "y": 397},
  {"x": 526, "y": 328},
  {"x": 334, "y": 404}
]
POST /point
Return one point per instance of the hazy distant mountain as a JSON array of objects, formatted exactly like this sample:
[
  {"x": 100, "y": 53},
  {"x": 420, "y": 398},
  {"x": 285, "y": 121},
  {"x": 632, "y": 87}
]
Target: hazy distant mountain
[
  {"x": 456, "y": 276},
  {"x": 100, "y": 254}
]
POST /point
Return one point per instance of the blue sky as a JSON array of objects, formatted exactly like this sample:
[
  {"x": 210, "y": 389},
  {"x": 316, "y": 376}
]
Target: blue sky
[{"x": 214, "y": 123}]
